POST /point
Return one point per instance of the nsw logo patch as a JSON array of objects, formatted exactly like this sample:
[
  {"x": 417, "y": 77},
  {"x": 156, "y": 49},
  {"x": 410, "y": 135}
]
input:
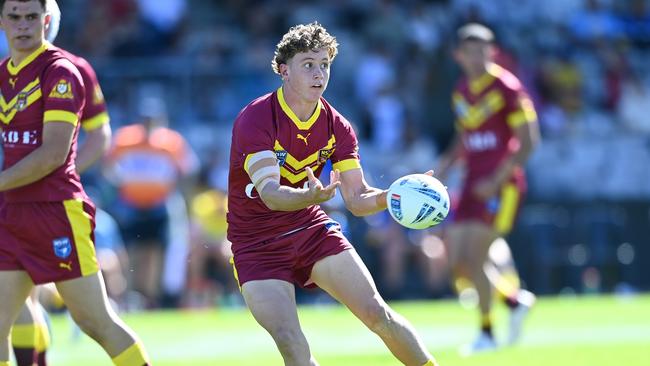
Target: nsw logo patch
[
  {"x": 62, "y": 90},
  {"x": 62, "y": 247},
  {"x": 281, "y": 155}
]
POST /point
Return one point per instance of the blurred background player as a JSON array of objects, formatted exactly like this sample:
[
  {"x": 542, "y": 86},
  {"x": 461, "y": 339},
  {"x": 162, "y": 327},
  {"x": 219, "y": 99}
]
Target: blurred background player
[
  {"x": 496, "y": 131},
  {"x": 30, "y": 337},
  {"x": 147, "y": 163},
  {"x": 47, "y": 217},
  {"x": 280, "y": 236}
]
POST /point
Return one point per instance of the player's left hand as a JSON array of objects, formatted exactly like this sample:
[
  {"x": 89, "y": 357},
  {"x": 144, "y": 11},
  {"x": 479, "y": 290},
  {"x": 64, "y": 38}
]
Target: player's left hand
[
  {"x": 486, "y": 188},
  {"x": 319, "y": 193}
]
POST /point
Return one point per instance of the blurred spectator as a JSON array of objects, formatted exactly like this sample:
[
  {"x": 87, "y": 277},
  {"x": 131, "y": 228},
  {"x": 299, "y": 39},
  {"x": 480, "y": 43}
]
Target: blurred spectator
[
  {"x": 634, "y": 105},
  {"x": 210, "y": 280},
  {"x": 146, "y": 163}
]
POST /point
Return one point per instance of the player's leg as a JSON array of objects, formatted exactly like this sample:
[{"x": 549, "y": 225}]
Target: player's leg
[
  {"x": 88, "y": 304},
  {"x": 479, "y": 236},
  {"x": 500, "y": 267},
  {"x": 30, "y": 336},
  {"x": 346, "y": 278},
  {"x": 457, "y": 245},
  {"x": 15, "y": 287},
  {"x": 273, "y": 305}
]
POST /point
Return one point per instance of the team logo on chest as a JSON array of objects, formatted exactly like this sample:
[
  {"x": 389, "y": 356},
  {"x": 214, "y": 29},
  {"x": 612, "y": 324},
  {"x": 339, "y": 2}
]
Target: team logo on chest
[
  {"x": 21, "y": 102},
  {"x": 324, "y": 154},
  {"x": 281, "y": 155}
]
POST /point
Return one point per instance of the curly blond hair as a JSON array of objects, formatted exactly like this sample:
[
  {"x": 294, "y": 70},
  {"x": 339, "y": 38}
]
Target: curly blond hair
[{"x": 303, "y": 38}]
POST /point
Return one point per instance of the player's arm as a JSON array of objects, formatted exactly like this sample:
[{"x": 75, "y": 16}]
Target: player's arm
[
  {"x": 528, "y": 135},
  {"x": 263, "y": 170},
  {"x": 450, "y": 157},
  {"x": 97, "y": 142},
  {"x": 523, "y": 122},
  {"x": 360, "y": 198},
  {"x": 57, "y": 139}
]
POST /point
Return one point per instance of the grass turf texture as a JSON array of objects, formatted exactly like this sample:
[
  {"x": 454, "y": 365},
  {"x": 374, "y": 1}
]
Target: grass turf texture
[{"x": 581, "y": 331}]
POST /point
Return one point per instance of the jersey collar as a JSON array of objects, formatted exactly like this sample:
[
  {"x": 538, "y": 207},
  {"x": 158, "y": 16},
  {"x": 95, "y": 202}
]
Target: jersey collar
[
  {"x": 14, "y": 70},
  {"x": 476, "y": 86},
  {"x": 287, "y": 110}
]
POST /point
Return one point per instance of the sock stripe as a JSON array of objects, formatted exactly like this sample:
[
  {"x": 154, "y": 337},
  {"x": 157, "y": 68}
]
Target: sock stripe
[{"x": 134, "y": 355}]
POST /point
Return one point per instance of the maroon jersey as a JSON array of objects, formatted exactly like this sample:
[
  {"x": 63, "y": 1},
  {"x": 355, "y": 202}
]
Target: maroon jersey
[
  {"x": 487, "y": 111},
  {"x": 268, "y": 124},
  {"x": 45, "y": 87},
  {"x": 94, "y": 113}
]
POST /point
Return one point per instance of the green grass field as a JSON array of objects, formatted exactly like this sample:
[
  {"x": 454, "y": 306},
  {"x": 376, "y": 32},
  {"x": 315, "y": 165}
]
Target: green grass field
[{"x": 584, "y": 331}]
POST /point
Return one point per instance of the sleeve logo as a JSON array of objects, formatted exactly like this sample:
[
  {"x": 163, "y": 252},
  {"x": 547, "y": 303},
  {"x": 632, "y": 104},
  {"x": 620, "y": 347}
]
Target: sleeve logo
[
  {"x": 98, "y": 96},
  {"x": 62, "y": 90}
]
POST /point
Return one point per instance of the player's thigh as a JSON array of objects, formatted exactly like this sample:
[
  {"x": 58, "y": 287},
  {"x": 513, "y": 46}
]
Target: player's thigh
[
  {"x": 458, "y": 243},
  {"x": 272, "y": 303},
  {"x": 14, "y": 287},
  {"x": 347, "y": 279},
  {"x": 85, "y": 297},
  {"x": 479, "y": 238}
]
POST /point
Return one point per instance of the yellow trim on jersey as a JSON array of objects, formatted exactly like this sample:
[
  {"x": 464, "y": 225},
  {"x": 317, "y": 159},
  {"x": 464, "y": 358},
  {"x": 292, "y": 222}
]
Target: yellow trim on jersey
[
  {"x": 299, "y": 166},
  {"x": 347, "y": 164},
  {"x": 60, "y": 116},
  {"x": 26, "y": 90},
  {"x": 134, "y": 355},
  {"x": 287, "y": 110},
  {"x": 523, "y": 115},
  {"x": 14, "y": 70},
  {"x": 82, "y": 230},
  {"x": 478, "y": 85},
  {"x": 31, "y": 98},
  {"x": 234, "y": 271},
  {"x": 96, "y": 122},
  {"x": 508, "y": 208},
  {"x": 480, "y": 112}
]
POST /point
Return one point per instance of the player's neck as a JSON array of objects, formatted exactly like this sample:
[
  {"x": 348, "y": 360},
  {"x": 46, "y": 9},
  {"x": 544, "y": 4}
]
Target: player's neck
[
  {"x": 476, "y": 74},
  {"x": 17, "y": 57},
  {"x": 299, "y": 106}
]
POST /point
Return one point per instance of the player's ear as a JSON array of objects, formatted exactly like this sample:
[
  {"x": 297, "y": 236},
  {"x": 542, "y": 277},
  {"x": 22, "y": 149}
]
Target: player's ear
[
  {"x": 48, "y": 21},
  {"x": 284, "y": 71}
]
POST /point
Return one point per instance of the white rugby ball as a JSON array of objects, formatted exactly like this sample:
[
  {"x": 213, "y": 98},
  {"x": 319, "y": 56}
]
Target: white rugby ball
[{"x": 418, "y": 201}]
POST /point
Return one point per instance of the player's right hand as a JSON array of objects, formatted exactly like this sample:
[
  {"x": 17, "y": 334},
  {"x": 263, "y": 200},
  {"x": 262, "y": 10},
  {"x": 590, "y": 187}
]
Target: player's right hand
[{"x": 317, "y": 192}]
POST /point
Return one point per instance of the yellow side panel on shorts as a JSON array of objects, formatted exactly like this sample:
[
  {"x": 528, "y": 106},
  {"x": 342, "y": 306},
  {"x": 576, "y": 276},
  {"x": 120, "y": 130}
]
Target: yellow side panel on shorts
[
  {"x": 234, "y": 271},
  {"x": 81, "y": 229},
  {"x": 507, "y": 209}
]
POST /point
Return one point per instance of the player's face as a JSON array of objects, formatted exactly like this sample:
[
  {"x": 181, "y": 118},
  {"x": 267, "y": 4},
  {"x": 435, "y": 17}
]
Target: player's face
[
  {"x": 473, "y": 56},
  {"x": 23, "y": 23},
  {"x": 307, "y": 74}
]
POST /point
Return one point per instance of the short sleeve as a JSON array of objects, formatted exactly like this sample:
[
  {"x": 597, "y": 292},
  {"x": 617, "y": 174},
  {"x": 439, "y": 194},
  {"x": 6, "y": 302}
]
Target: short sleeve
[
  {"x": 64, "y": 93},
  {"x": 253, "y": 132},
  {"x": 346, "y": 155},
  {"x": 519, "y": 106},
  {"x": 94, "y": 114}
]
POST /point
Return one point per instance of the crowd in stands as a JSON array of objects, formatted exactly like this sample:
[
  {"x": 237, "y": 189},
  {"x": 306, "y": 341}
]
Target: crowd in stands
[{"x": 584, "y": 62}]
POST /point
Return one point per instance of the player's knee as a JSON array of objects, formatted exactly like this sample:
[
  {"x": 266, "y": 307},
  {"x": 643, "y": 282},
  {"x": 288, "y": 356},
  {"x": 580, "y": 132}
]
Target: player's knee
[
  {"x": 93, "y": 324},
  {"x": 5, "y": 325},
  {"x": 378, "y": 316},
  {"x": 290, "y": 341}
]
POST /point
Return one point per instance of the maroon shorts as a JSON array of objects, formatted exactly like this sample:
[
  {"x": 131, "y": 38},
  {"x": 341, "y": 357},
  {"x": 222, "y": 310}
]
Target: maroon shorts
[
  {"x": 498, "y": 212},
  {"x": 289, "y": 257},
  {"x": 51, "y": 241}
]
